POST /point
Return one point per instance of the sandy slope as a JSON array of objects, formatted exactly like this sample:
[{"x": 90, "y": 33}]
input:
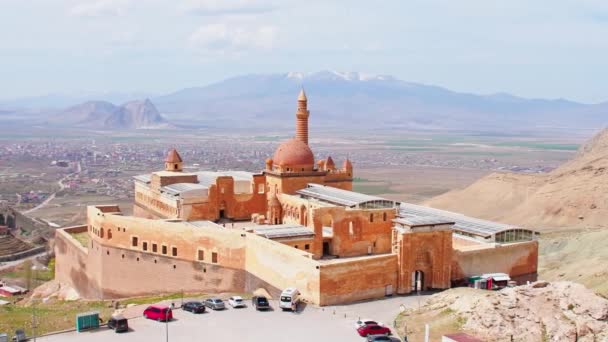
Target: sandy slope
[{"x": 572, "y": 196}]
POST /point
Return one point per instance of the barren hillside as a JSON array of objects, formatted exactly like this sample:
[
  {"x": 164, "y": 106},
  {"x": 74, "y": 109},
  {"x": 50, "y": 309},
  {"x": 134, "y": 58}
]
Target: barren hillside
[
  {"x": 560, "y": 311},
  {"x": 572, "y": 196}
]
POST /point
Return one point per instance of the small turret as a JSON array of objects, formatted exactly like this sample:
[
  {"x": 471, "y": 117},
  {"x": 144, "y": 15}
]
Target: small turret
[
  {"x": 329, "y": 164},
  {"x": 348, "y": 166},
  {"x": 173, "y": 162}
]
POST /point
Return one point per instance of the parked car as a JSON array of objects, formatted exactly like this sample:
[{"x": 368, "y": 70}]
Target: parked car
[
  {"x": 260, "y": 303},
  {"x": 194, "y": 307},
  {"x": 215, "y": 304},
  {"x": 289, "y": 299},
  {"x": 19, "y": 336},
  {"x": 373, "y": 329},
  {"x": 236, "y": 302},
  {"x": 159, "y": 313},
  {"x": 3, "y": 337},
  {"x": 382, "y": 338},
  {"x": 365, "y": 321},
  {"x": 119, "y": 323}
]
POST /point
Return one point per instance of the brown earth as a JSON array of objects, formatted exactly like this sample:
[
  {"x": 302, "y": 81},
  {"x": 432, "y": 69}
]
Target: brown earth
[
  {"x": 571, "y": 196},
  {"x": 541, "y": 311}
]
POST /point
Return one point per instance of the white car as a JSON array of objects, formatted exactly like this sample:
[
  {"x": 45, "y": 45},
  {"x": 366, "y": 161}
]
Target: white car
[
  {"x": 236, "y": 302},
  {"x": 365, "y": 321}
]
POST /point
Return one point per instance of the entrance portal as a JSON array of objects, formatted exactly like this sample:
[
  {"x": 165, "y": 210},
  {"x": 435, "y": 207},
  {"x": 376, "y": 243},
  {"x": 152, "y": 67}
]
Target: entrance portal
[
  {"x": 325, "y": 248},
  {"x": 222, "y": 210},
  {"x": 417, "y": 281}
]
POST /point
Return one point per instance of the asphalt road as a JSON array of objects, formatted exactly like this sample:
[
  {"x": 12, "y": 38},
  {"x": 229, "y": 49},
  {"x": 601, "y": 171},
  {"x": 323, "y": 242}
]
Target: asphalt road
[{"x": 335, "y": 323}]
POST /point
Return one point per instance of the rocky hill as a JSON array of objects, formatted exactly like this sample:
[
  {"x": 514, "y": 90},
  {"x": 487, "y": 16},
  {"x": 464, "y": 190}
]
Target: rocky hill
[
  {"x": 571, "y": 196},
  {"x": 105, "y": 115},
  {"x": 541, "y": 311}
]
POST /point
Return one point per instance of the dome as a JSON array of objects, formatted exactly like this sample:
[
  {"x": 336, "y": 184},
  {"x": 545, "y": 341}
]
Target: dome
[{"x": 293, "y": 153}]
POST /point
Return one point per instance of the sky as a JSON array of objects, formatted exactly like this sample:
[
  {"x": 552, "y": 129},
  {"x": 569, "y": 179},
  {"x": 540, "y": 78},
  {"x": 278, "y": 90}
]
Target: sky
[{"x": 539, "y": 49}]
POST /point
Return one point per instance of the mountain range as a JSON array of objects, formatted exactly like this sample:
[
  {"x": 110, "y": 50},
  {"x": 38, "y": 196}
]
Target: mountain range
[{"x": 364, "y": 101}]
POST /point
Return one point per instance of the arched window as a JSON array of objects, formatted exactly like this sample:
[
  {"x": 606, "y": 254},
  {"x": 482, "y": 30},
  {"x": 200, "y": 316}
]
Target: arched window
[
  {"x": 109, "y": 234},
  {"x": 101, "y": 233}
]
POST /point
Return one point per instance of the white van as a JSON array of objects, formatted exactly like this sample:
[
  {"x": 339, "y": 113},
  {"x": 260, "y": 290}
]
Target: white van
[{"x": 289, "y": 298}]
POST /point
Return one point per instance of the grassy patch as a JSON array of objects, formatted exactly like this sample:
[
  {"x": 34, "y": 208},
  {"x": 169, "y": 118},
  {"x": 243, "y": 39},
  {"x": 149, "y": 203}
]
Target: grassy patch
[
  {"x": 83, "y": 238},
  {"x": 374, "y": 188},
  {"x": 50, "y": 317}
]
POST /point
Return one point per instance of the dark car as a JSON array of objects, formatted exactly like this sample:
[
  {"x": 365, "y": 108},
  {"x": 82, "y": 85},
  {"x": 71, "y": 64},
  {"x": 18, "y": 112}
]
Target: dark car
[
  {"x": 260, "y": 303},
  {"x": 19, "y": 336},
  {"x": 378, "y": 338},
  {"x": 215, "y": 304},
  {"x": 194, "y": 307},
  {"x": 119, "y": 323},
  {"x": 159, "y": 313}
]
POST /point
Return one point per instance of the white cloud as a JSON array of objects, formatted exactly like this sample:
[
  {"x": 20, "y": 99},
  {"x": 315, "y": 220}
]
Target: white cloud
[
  {"x": 221, "y": 7},
  {"x": 100, "y": 8},
  {"x": 226, "y": 39}
]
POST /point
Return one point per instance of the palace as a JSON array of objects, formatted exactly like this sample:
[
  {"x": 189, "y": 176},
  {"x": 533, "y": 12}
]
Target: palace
[{"x": 297, "y": 223}]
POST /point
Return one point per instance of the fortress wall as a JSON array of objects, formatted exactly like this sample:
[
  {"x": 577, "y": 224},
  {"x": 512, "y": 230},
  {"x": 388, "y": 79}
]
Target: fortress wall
[
  {"x": 73, "y": 265},
  {"x": 519, "y": 260},
  {"x": 282, "y": 266},
  {"x": 347, "y": 281}
]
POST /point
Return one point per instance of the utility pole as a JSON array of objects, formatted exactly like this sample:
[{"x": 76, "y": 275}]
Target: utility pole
[{"x": 167, "y": 325}]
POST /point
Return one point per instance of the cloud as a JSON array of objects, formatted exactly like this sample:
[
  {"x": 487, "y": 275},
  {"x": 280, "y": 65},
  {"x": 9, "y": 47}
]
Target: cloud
[
  {"x": 227, "y": 7},
  {"x": 227, "y": 39},
  {"x": 100, "y": 8}
]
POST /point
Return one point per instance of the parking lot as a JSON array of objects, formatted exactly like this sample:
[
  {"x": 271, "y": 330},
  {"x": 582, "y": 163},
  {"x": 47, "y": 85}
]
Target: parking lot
[{"x": 247, "y": 324}]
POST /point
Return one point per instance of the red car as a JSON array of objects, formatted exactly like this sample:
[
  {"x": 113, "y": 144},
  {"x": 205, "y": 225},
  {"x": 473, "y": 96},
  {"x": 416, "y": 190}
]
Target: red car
[
  {"x": 158, "y": 312},
  {"x": 373, "y": 329}
]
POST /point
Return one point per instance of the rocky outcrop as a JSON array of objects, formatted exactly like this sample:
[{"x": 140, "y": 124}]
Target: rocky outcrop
[
  {"x": 542, "y": 311},
  {"x": 105, "y": 115}
]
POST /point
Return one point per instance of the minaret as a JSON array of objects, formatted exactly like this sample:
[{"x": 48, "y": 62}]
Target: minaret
[{"x": 302, "y": 118}]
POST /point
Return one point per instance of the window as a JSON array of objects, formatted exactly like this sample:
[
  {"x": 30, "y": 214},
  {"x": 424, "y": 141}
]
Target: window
[
  {"x": 154, "y": 248},
  {"x": 109, "y": 234},
  {"x": 384, "y": 216},
  {"x": 101, "y": 235},
  {"x": 296, "y": 246},
  {"x": 164, "y": 249},
  {"x": 306, "y": 246},
  {"x": 134, "y": 241},
  {"x": 260, "y": 188},
  {"x": 201, "y": 255},
  {"x": 174, "y": 251},
  {"x": 371, "y": 217},
  {"x": 174, "y": 166},
  {"x": 144, "y": 246},
  {"x": 214, "y": 257}
]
